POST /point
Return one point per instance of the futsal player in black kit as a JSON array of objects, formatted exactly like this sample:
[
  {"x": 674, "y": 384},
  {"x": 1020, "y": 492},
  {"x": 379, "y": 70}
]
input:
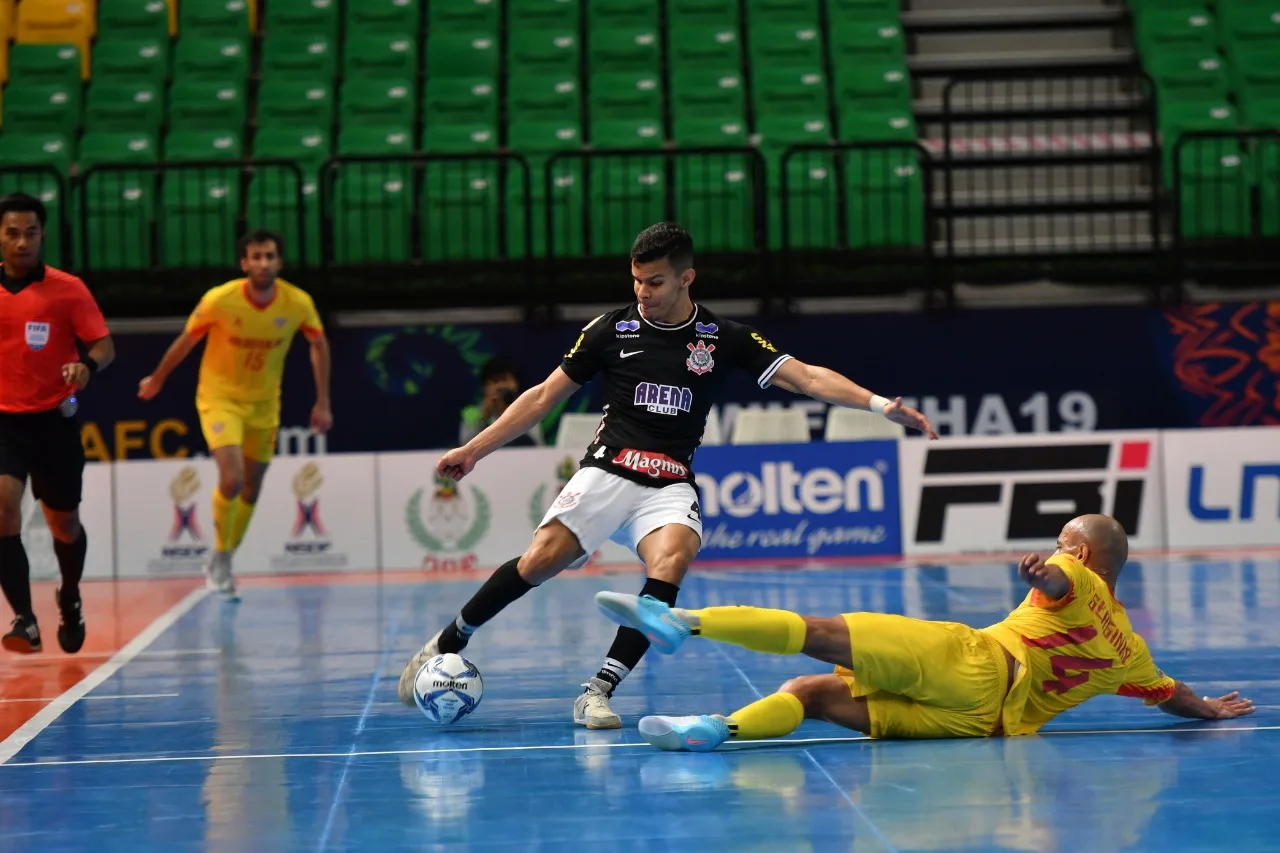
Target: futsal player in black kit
[{"x": 663, "y": 360}]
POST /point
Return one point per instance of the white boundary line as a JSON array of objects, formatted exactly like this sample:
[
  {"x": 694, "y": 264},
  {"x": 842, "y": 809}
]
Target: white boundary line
[
  {"x": 55, "y": 709},
  {"x": 99, "y": 698},
  {"x": 745, "y": 746}
]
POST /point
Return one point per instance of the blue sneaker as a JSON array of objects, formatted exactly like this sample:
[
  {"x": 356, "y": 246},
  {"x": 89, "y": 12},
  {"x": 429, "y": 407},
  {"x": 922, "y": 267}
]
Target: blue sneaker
[
  {"x": 685, "y": 734},
  {"x": 651, "y": 617}
]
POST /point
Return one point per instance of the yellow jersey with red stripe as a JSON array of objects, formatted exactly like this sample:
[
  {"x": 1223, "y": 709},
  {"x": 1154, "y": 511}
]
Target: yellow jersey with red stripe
[
  {"x": 1072, "y": 649},
  {"x": 247, "y": 343}
]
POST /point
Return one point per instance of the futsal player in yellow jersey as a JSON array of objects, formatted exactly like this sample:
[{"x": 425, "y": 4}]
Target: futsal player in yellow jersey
[
  {"x": 898, "y": 677},
  {"x": 250, "y": 323}
]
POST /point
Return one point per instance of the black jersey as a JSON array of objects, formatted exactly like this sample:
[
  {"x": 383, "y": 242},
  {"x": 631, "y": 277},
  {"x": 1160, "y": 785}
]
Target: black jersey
[{"x": 659, "y": 384}]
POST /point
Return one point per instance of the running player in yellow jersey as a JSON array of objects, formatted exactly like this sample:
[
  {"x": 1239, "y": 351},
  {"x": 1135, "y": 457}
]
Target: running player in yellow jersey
[
  {"x": 898, "y": 677},
  {"x": 250, "y": 323}
]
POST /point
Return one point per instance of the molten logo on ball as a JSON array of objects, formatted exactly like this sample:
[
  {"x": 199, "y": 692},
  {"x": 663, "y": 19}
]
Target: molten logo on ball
[{"x": 447, "y": 688}]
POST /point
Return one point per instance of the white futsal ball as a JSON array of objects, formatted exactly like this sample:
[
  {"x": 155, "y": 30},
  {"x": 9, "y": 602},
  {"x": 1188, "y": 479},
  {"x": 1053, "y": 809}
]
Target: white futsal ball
[{"x": 447, "y": 688}]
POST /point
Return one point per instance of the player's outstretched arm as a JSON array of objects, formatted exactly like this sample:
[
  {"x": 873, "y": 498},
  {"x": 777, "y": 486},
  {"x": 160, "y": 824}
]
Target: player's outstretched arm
[
  {"x": 1049, "y": 579},
  {"x": 322, "y": 412},
  {"x": 178, "y": 350},
  {"x": 528, "y": 409},
  {"x": 824, "y": 384},
  {"x": 1185, "y": 703}
]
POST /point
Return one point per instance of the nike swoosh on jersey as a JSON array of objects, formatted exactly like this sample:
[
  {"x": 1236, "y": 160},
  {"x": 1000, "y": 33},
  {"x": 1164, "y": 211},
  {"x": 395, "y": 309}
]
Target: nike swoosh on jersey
[{"x": 625, "y": 354}]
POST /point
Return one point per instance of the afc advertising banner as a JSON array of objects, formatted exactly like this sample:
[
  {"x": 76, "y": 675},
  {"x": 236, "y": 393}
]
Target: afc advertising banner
[
  {"x": 1202, "y": 365},
  {"x": 799, "y": 500},
  {"x": 1009, "y": 494},
  {"x": 1222, "y": 487}
]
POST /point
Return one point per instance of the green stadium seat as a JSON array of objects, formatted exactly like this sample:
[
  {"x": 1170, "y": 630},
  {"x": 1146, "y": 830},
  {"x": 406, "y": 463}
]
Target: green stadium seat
[
  {"x": 622, "y": 14},
  {"x": 380, "y": 56},
  {"x": 131, "y": 19},
  {"x": 790, "y": 92},
  {"x": 274, "y": 202},
  {"x": 138, "y": 59},
  {"x": 312, "y": 57},
  {"x": 218, "y": 58},
  {"x": 1141, "y": 6},
  {"x": 461, "y": 101},
  {"x": 214, "y": 18},
  {"x": 783, "y": 13},
  {"x": 1250, "y": 26},
  {"x": 714, "y": 199},
  {"x": 626, "y": 196},
  {"x": 1174, "y": 29},
  {"x": 118, "y": 211},
  {"x": 696, "y": 131},
  {"x": 1182, "y": 76},
  {"x": 556, "y": 15},
  {"x": 35, "y": 149},
  {"x": 544, "y": 137},
  {"x": 811, "y": 181},
  {"x": 303, "y": 17},
  {"x": 461, "y": 205},
  {"x": 877, "y": 126},
  {"x": 543, "y": 52},
  {"x": 884, "y": 198},
  {"x": 708, "y": 96},
  {"x": 206, "y": 105},
  {"x": 382, "y": 141},
  {"x": 1256, "y": 74},
  {"x": 462, "y": 55},
  {"x": 198, "y": 218},
  {"x": 1268, "y": 178},
  {"x": 705, "y": 49},
  {"x": 544, "y": 98},
  {"x": 42, "y": 108},
  {"x": 308, "y": 146},
  {"x": 840, "y": 11},
  {"x": 295, "y": 103},
  {"x": 44, "y": 64},
  {"x": 114, "y": 146},
  {"x": 124, "y": 107},
  {"x": 873, "y": 87},
  {"x": 625, "y": 97},
  {"x": 1215, "y": 191},
  {"x": 1262, "y": 113},
  {"x": 687, "y": 14},
  {"x": 372, "y": 218},
  {"x": 461, "y": 138},
  {"x": 617, "y": 51},
  {"x": 617, "y": 133},
  {"x": 195, "y": 145},
  {"x": 854, "y": 44},
  {"x": 1177, "y": 119},
  {"x": 566, "y": 203},
  {"x": 785, "y": 47},
  {"x": 399, "y": 17},
  {"x": 378, "y": 103},
  {"x": 464, "y": 16}
]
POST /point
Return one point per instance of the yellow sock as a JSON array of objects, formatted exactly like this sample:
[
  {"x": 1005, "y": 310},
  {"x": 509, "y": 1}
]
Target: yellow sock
[
  {"x": 775, "y": 632},
  {"x": 240, "y": 522},
  {"x": 224, "y": 519},
  {"x": 773, "y": 716}
]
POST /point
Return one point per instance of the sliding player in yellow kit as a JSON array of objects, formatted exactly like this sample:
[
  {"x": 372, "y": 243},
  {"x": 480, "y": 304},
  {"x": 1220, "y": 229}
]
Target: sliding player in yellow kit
[
  {"x": 250, "y": 323},
  {"x": 898, "y": 677}
]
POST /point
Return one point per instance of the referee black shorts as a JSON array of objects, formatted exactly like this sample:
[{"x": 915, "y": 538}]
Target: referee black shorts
[{"x": 44, "y": 446}]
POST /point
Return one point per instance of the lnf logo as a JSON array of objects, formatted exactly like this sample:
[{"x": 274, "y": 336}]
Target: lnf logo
[
  {"x": 1249, "y": 478},
  {"x": 1040, "y": 503}
]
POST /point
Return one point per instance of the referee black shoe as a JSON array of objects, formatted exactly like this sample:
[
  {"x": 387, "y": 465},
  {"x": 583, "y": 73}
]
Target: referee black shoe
[
  {"x": 23, "y": 637},
  {"x": 71, "y": 629}
]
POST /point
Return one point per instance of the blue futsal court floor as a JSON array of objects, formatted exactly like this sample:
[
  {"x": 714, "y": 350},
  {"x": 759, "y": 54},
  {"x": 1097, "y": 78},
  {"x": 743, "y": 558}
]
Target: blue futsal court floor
[{"x": 273, "y": 725}]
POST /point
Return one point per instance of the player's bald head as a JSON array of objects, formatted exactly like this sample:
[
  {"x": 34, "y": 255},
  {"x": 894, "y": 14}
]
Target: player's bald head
[{"x": 1106, "y": 543}]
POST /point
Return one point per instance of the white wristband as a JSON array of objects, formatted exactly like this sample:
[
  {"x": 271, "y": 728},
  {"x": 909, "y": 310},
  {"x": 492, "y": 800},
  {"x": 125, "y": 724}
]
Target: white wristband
[{"x": 878, "y": 403}]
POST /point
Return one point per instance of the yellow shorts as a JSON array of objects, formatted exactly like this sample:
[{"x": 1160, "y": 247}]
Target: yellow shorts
[
  {"x": 251, "y": 426},
  {"x": 925, "y": 679}
]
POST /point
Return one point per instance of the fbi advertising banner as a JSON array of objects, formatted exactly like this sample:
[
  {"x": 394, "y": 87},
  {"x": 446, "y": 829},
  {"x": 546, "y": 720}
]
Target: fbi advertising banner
[
  {"x": 799, "y": 500},
  {"x": 1223, "y": 487},
  {"x": 1013, "y": 493}
]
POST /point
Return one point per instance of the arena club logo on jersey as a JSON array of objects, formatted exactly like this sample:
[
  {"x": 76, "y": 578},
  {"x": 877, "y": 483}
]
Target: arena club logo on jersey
[
  {"x": 700, "y": 360},
  {"x": 37, "y": 336},
  {"x": 663, "y": 399}
]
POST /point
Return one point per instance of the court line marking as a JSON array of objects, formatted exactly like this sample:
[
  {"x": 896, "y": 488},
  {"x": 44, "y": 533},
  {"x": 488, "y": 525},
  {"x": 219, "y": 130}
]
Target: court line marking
[
  {"x": 844, "y": 795},
  {"x": 161, "y": 654},
  {"x": 746, "y": 746},
  {"x": 101, "y": 698},
  {"x": 45, "y": 717},
  {"x": 388, "y": 643}
]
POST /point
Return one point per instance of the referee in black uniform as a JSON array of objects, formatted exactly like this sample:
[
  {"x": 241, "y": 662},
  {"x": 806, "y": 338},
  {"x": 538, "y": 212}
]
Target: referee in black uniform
[{"x": 53, "y": 338}]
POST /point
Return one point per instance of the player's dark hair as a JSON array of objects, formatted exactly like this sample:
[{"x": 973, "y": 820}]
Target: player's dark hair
[
  {"x": 664, "y": 240},
  {"x": 259, "y": 235},
  {"x": 496, "y": 368},
  {"x": 23, "y": 203}
]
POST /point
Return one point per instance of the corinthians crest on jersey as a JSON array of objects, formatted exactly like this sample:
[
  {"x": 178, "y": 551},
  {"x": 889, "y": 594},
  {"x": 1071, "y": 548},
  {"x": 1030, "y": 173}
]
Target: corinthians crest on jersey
[{"x": 700, "y": 360}]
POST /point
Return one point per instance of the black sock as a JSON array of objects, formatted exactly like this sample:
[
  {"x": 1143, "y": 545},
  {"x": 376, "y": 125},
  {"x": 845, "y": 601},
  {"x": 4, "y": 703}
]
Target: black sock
[
  {"x": 71, "y": 562},
  {"x": 503, "y": 587},
  {"x": 630, "y": 645},
  {"x": 15, "y": 575}
]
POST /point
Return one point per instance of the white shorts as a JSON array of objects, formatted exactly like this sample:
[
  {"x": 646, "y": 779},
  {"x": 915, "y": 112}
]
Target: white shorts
[{"x": 598, "y": 506}]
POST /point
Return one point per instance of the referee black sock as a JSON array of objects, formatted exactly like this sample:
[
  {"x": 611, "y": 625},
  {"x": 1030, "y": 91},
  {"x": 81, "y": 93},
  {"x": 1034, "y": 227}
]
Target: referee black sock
[
  {"x": 630, "y": 645},
  {"x": 71, "y": 561},
  {"x": 15, "y": 575},
  {"x": 503, "y": 587}
]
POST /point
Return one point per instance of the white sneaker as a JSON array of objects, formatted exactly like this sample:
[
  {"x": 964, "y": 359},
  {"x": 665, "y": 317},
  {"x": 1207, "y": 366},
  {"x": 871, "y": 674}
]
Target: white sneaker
[
  {"x": 591, "y": 708},
  {"x": 217, "y": 575},
  {"x": 405, "y": 689}
]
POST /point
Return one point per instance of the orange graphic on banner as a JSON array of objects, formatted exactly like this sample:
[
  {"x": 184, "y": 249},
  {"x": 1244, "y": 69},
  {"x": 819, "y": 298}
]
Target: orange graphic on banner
[{"x": 1230, "y": 355}]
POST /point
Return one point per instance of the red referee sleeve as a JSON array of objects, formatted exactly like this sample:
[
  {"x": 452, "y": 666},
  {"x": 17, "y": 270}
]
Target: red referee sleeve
[{"x": 86, "y": 317}]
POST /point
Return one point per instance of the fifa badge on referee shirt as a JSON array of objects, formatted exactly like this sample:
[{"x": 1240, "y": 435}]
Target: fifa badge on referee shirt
[
  {"x": 700, "y": 360},
  {"x": 37, "y": 336}
]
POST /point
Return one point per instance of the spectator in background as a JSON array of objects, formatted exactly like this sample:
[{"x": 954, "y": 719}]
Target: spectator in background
[{"x": 499, "y": 388}]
